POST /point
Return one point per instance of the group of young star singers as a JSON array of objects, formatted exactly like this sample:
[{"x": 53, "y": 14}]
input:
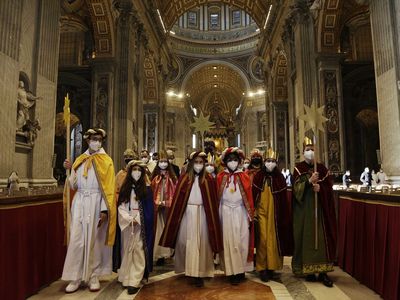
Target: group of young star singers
[{"x": 227, "y": 210}]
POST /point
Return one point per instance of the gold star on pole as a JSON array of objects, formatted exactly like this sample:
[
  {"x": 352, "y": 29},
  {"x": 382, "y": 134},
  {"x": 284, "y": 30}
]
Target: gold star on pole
[
  {"x": 202, "y": 124},
  {"x": 314, "y": 117}
]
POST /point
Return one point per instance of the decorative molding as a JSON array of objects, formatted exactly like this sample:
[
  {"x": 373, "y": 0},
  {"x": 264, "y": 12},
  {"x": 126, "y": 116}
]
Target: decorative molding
[{"x": 330, "y": 94}]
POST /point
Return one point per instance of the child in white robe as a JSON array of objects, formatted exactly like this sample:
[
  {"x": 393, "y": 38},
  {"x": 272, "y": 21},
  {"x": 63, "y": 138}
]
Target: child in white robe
[{"x": 135, "y": 218}]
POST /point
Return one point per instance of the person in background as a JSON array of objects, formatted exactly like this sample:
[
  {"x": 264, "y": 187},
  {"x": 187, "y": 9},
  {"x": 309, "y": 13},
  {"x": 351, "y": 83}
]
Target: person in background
[
  {"x": 145, "y": 158},
  {"x": 382, "y": 177},
  {"x": 154, "y": 157},
  {"x": 210, "y": 166},
  {"x": 163, "y": 184},
  {"x": 246, "y": 164},
  {"x": 171, "y": 158},
  {"x": 256, "y": 162}
]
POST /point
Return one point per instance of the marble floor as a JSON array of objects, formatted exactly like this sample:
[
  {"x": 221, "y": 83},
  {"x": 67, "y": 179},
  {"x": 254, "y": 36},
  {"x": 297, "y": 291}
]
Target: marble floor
[{"x": 165, "y": 284}]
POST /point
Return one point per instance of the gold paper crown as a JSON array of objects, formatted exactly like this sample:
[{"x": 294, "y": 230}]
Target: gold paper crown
[
  {"x": 129, "y": 152},
  {"x": 271, "y": 154},
  {"x": 210, "y": 159},
  {"x": 307, "y": 141}
]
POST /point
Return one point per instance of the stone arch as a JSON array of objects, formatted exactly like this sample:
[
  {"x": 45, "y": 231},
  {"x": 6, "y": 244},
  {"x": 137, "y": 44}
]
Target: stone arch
[{"x": 216, "y": 62}]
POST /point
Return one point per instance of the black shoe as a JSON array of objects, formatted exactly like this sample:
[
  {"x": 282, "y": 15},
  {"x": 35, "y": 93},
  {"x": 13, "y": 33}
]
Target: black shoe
[
  {"x": 311, "y": 278},
  {"x": 132, "y": 290},
  {"x": 198, "y": 282},
  {"x": 270, "y": 274},
  {"x": 264, "y": 276},
  {"x": 241, "y": 276},
  {"x": 326, "y": 281},
  {"x": 234, "y": 280},
  {"x": 160, "y": 261}
]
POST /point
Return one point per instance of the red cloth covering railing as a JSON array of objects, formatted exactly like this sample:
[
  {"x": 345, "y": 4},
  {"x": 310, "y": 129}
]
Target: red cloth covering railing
[
  {"x": 369, "y": 241},
  {"x": 32, "y": 248}
]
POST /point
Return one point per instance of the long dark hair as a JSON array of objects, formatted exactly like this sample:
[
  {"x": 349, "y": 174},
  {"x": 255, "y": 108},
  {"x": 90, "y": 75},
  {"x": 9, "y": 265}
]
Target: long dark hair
[
  {"x": 169, "y": 169},
  {"x": 129, "y": 183}
]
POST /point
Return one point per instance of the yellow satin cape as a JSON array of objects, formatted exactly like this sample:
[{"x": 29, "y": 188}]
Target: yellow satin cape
[{"x": 104, "y": 170}]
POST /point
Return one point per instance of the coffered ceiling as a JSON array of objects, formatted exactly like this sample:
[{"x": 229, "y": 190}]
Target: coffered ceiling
[{"x": 172, "y": 9}]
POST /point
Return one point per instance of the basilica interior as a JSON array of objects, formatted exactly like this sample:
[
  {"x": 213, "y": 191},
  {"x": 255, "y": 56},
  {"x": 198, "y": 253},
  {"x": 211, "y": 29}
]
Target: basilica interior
[{"x": 171, "y": 75}]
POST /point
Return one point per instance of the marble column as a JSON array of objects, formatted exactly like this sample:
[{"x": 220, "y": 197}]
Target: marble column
[
  {"x": 385, "y": 22},
  {"x": 103, "y": 78},
  {"x": 305, "y": 81},
  {"x": 330, "y": 80},
  {"x": 123, "y": 108},
  {"x": 280, "y": 132}
]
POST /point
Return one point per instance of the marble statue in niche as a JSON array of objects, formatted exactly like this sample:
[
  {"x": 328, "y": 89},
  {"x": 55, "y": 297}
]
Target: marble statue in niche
[{"x": 25, "y": 101}]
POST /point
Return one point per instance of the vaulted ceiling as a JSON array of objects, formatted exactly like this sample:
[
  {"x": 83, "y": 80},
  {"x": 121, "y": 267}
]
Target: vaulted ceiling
[
  {"x": 215, "y": 80},
  {"x": 172, "y": 9}
]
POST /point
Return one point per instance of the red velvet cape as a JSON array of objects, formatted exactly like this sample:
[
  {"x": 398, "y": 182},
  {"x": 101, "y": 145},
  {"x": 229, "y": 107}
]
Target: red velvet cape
[
  {"x": 326, "y": 201},
  {"x": 244, "y": 183},
  {"x": 178, "y": 207},
  {"x": 282, "y": 208}
]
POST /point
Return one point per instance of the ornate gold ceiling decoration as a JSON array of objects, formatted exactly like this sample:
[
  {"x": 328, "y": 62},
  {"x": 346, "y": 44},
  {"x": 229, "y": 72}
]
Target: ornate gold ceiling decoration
[
  {"x": 280, "y": 79},
  {"x": 103, "y": 26},
  {"x": 150, "y": 82},
  {"x": 331, "y": 18},
  {"x": 172, "y": 9}
]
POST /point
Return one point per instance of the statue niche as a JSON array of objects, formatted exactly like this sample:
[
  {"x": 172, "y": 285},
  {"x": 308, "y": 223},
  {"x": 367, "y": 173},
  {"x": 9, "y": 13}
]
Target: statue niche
[{"x": 27, "y": 127}]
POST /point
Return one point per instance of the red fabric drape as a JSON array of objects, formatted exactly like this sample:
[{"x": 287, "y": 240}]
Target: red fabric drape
[
  {"x": 369, "y": 244},
  {"x": 32, "y": 248}
]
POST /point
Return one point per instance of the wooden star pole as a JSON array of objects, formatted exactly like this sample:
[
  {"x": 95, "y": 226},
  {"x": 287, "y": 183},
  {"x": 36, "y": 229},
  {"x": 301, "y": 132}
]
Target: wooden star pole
[
  {"x": 315, "y": 120},
  {"x": 67, "y": 122}
]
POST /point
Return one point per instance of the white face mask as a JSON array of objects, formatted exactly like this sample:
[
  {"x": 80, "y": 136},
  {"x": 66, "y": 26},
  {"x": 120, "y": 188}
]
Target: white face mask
[
  {"x": 309, "y": 155},
  {"x": 270, "y": 166},
  {"x": 198, "y": 168},
  {"x": 246, "y": 165},
  {"x": 95, "y": 145},
  {"x": 145, "y": 160},
  {"x": 163, "y": 165},
  {"x": 210, "y": 169},
  {"x": 232, "y": 165},
  {"x": 136, "y": 175}
]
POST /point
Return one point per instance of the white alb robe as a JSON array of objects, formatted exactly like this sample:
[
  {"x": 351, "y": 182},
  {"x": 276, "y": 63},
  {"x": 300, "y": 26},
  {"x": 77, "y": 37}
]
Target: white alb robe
[
  {"x": 133, "y": 260},
  {"x": 87, "y": 254},
  {"x": 235, "y": 231},
  {"x": 193, "y": 253}
]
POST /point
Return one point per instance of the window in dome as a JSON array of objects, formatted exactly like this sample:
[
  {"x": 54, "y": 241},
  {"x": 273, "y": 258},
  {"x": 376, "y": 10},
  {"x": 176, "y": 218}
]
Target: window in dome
[
  {"x": 192, "y": 19},
  {"x": 236, "y": 18},
  {"x": 215, "y": 22}
]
